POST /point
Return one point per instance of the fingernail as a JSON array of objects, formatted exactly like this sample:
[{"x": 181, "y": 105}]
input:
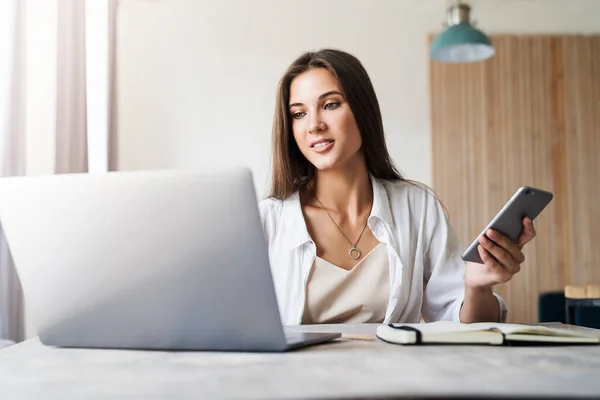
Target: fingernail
[
  {"x": 483, "y": 240},
  {"x": 491, "y": 233}
]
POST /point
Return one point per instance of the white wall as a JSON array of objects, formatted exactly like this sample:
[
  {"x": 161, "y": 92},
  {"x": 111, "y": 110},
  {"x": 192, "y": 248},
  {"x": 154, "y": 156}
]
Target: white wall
[{"x": 197, "y": 78}]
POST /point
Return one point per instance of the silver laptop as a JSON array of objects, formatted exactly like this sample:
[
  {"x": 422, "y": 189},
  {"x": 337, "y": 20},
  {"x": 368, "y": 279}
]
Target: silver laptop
[{"x": 166, "y": 260}]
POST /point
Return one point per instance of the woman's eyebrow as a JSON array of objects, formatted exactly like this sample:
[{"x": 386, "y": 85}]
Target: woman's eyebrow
[{"x": 320, "y": 97}]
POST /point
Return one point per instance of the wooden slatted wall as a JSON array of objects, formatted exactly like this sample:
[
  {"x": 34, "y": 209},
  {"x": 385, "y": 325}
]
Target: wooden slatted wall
[{"x": 528, "y": 116}]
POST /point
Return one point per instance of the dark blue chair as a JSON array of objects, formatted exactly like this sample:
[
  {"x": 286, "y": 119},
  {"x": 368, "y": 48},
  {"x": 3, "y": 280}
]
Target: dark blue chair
[
  {"x": 551, "y": 307},
  {"x": 583, "y": 312},
  {"x": 554, "y": 307}
]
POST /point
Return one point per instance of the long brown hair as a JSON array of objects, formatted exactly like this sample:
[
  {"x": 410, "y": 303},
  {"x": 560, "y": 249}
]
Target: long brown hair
[{"x": 290, "y": 169}]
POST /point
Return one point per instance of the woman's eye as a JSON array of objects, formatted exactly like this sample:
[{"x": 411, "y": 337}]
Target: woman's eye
[
  {"x": 298, "y": 115},
  {"x": 331, "y": 106}
]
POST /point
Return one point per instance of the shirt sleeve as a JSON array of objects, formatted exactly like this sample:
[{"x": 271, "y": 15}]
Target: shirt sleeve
[{"x": 444, "y": 269}]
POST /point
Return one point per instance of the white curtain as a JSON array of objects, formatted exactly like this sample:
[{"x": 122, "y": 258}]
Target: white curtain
[
  {"x": 72, "y": 132},
  {"x": 12, "y": 153},
  {"x": 71, "y": 112},
  {"x": 112, "y": 149}
]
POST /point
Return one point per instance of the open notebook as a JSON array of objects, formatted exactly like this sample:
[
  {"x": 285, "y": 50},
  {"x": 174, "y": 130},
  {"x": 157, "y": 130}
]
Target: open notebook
[{"x": 446, "y": 332}]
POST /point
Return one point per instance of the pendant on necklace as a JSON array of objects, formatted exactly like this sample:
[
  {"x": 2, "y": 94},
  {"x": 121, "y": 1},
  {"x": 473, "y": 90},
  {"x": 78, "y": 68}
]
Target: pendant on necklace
[{"x": 354, "y": 253}]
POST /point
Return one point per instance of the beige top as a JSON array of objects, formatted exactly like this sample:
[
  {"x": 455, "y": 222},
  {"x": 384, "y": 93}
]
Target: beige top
[{"x": 335, "y": 295}]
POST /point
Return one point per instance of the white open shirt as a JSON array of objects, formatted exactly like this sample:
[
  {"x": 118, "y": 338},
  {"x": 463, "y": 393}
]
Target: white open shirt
[{"x": 424, "y": 254}]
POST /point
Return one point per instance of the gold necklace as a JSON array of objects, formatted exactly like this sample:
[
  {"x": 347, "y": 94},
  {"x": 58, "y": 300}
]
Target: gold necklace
[{"x": 354, "y": 252}]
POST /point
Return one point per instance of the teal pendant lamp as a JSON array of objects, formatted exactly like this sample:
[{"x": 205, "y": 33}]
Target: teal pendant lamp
[{"x": 461, "y": 42}]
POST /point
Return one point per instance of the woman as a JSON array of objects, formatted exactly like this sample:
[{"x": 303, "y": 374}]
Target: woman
[{"x": 350, "y": 240}]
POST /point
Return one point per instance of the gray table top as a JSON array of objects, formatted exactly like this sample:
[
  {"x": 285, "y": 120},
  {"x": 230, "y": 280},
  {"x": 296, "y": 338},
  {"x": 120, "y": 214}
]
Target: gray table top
[{"x": 344, "y": 368}]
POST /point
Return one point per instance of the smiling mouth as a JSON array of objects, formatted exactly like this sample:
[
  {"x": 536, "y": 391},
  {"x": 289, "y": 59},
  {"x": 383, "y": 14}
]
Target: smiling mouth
[{"x": 321, "y": 144}]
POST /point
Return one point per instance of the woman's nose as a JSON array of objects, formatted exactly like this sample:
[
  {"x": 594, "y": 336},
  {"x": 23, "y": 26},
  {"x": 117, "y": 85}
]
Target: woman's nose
[{"x": 316, "y": 124}]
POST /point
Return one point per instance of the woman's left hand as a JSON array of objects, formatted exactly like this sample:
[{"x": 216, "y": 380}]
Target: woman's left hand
[{"x": 502, "y": 257}]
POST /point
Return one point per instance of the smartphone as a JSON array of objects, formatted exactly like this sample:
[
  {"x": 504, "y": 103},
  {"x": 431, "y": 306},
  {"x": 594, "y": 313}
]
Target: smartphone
[{"x": 526, "y": 202}]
